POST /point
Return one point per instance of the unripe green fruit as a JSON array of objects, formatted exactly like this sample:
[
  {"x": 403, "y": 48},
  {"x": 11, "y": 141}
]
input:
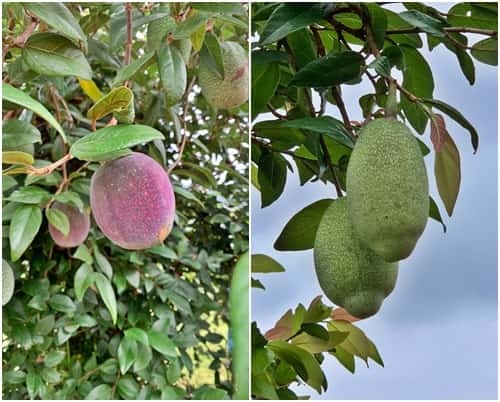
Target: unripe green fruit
[
  {"x": 349, "y": 273},
  {"x": 79, "y": 226},
  {"x": 388, "y": 189},
  {"x": 8, "y": 282},
  {"x": 232, "y": 91}
]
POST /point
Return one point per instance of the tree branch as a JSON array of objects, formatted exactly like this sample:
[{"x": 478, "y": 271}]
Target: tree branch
[
  {"x": 50, "y": 168},
  {"x": 329, "y": 164},
  {"x": 128, "y": 45},
  {"x": 343, "y": 111},
  {"x": 488, "y": 32}
]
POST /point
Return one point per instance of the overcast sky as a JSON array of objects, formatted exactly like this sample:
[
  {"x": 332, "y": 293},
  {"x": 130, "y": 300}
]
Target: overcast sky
[{"x": 437, "y": 332}]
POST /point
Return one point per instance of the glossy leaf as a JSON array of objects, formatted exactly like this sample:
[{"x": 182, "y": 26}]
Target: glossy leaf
[
  {"x": 162, "y": 343},
  {"x": 423, "y": 21},
  {"x": 107, "y": 294},
  {"x": 84, "y": 278},
  {"x": 334, "y": 69},
  {"x": 133, "y": 68},
  {"x": 486, "y": 51},
  {"x": 51, "y": 54},
  {"x": 127, "y": 353},
  {"x": 118, "y": 100},
  {"x": 24, "y": 225},
  {"x": 265, "y": 81},
  {"x": 58, "y": 219},
  {"x": 262, "y": 263},
  {"x": 300, "y": 231},
  {"x": 16, "y": 133},
  {"x": 14, "y": 95},
  {"x": 101, "y": 143},
  {"x": 137, "y": 334},
  {"x": 100, "y": 392},
  {"x": 17, "y": 158},
  {"x": 447, "y": 172},
  {"x": 272, "y": 177},
  {"x": 173, "y": 74}
]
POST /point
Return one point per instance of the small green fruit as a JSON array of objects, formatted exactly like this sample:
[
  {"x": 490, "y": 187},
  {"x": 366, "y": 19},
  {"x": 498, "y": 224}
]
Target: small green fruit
[
  {"x": 8, "y": 281},
  {"x": 388, "y": 189},
  {"x": 349, "y": 273},
  {"x": 232, "y": 91}
]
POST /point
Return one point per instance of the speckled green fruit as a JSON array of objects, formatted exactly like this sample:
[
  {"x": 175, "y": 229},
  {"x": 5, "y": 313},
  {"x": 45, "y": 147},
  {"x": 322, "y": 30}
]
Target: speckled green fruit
[
  {"x": 388, "y": 189},
  {"x": 8, "y": 281},
  {"x": 350, "y": 274},
  {"x": 232, "y": 91}
]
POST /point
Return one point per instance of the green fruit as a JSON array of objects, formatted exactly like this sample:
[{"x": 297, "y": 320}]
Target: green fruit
[
  {"x": 232, "y": 91},
  {"x": 8, "y": 281},
  {"x": 388, "y": 189},
  {"x": 350, "y": 274}
]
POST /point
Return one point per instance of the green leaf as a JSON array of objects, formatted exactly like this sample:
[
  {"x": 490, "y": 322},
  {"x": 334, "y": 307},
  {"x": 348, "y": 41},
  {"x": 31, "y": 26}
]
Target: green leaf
[
  {"x": 458, "y": 117},
  {"x": 304, "y": 363},
  {"x": 107, "y": 294},
  {"x": 59, "y": 17},
  {"x": 119, "y": 101},
  {"x": 288, "y": 325},
  {"x": 17, "y": 158},
  {"x": 14, "y": 95},
  {"x": 51, "y": 54},
  {"x": 188, "y": 195},
  {"x": 144, "y": 356},
  {"x": 103, "y": 263},
  {"x": 302, "y": 47},
  {"x": 272, "y": 177},
  {"x": 62, "y": 303},
  {"x": 288, "y": 18},
  {"x": 99, "y": 144},
  {"x": 395, "y": 22},
  {"x": 133, "y": 68},
  {"x": 317, "y": 311},
  {"x": 472, "y": 16},
  {"x": 101, "y": 392},
  {"x": 208, "y": 393},
  {"x": 423, "y": 21},
  {"x": 173, "y": 73},
  {"x": 164, "y": 252},
  {"x": 45, "y": 325},
  {"x": 333, "y": 69},
  {"x": 127, "y": 353},
  {"x": 435, "y": 214},
  {"x": 137, "y": 334},
  {"x": 262, "y": 263},
  {"x": 257, "y": 284},
  {"x": 162, "y": 343},
  {"x": 84, "y": 278},
  {"x": 30, "y": 195},
  {"x": 417, "y": 78},
  {"x": 240, "y": 327},
  {"x": 53, "y": 358},
  {"x": 24, "y": 225},
  {"x": 314, "y": 344},
  {"x": 219, "y": 7},
  {"x": 357, "y": 343},
  {"x": 378, "y": 23},
  {"x": 82, "y": 253},
  {"x": 265, "y": 81},
  {"x": 211, "y": 55},
  {"x": 158, "y": 30},
  {"x": 344, "y": 357},
  {"x": 300, "y": 231},
  {"x": 128, "y": 388},
  {"x": 58, "y": 219},
  {"x": 325, "y": 125},
  {"x": 16, "y": 133},
  {"x": 34, "y": 384},
  {"x": 486, "y": 51},
  {"x": 447, "y": 172},
  {"x": 192, "y": 23},
  {"x": 382, "y": 66}
]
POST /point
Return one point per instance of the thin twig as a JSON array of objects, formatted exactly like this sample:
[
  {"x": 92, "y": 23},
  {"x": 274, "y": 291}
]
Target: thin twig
[
  {"x": 276, "y": 113},
  {"x": 329, "y": 164},
  {"x": 128, "y": 45},
  {"x": 270, "y": 148},
  {"x": 184, "y": 124},
  {"x": 50, "y": 168},
  {"x": 343, "y": 111},
  {"x": 488, "y": 32}
]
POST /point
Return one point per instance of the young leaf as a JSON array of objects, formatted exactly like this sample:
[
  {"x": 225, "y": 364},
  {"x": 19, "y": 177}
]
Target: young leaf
[
  {"x": 24, "y": 225},
  {"x": 300, "y": 231},
  {"x": 107, "y": 294},
  {"x": 447, "y": 172},
  {"x": 17, "y": 158},
  {"x": 262, "y": 263},
  {"x": 14, "y": 95},
  {"x": 117, "y": 100},
  {"x": 101, "y": 143}
]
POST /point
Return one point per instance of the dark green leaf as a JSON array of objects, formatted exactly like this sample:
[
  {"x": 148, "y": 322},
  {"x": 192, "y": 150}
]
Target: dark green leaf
[
  {"x": 272, "y": 177},
  {"x": 330, "y": 70},
  {"x": 486, "y": 51},
  {"x": 127, "y": 353},
  {"x": 435, "y": 214},
  {"x": 325, "y": 125},
  {"x": 16, "y": 133},
  {"x": 84, "y": 278},
  {"x": 30, "y": 195},
  {"x": 423, "y": 21},
  {"x": 62, "y": 303},
  {"x": 24, "y": 225},
  {"x": 211, "y": 54},
  {"x": 162, "y": 343},
  {"x": 107, "y": 294},
  {"x": 265, "y": 80},
  {"x": 262, "y": 263},
  {"x": 101, "y": 392},
  {"x": 53, "y": 358},
  {"x": 173, "y": 74}
]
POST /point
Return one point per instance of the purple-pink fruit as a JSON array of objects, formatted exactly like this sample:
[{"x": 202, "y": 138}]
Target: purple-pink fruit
[
  {"x": 132, "y": 201},
  {"x": 79, "y": 225}
]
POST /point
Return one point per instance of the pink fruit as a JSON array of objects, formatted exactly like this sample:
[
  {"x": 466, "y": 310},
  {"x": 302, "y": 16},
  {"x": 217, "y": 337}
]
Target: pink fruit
[
  {"x": 79, "y": 225},
  {"x": 132, "y": 201}
]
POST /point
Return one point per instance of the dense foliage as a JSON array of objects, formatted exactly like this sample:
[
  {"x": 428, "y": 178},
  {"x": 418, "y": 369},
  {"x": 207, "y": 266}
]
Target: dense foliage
[
  {"x": 98, "y": 321},
  {"x": 302, "y": 57}
]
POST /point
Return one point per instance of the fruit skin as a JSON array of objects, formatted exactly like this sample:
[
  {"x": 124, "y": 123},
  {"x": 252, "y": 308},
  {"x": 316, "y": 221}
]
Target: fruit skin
[
  {"x": 8, "y": 281},
  {"x": 388, "y": 189},
  {"x": 132, "y": 201},
  {"x": 349, "y": 273},
  {"x": 233, "y": 90},
  {"x": 79, "y": 226}
]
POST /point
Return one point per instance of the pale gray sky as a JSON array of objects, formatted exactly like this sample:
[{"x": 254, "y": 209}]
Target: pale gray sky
[{"x": 437, "y": 332}]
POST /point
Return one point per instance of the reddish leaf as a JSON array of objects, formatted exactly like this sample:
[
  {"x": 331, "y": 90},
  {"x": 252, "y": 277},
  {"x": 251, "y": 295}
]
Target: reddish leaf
[
  {"x": 447, "y": 172},
  {"x": 288, "y": 325},
  {"x": 341, "y": 314},
  {"x": 438, "y": 132}
]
